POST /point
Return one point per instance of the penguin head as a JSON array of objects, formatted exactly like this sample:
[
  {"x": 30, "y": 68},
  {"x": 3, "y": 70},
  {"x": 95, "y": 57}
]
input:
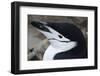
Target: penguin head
[{"x": 60, "y": 35}]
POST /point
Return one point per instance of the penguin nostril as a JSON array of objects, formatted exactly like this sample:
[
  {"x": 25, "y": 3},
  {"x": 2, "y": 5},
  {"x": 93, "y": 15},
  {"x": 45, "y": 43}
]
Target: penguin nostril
[
  {"x": 60, "y": 36},
  {"x": 41, "y": 26}
]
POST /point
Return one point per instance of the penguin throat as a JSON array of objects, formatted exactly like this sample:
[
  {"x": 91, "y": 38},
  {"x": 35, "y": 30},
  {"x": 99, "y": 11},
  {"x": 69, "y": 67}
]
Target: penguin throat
[{"x": 51, "y": 52}]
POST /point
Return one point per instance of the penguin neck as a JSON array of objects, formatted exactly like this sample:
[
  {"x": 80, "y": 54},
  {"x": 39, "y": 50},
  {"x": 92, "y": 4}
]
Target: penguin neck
[{"x": 51, "y": 52}]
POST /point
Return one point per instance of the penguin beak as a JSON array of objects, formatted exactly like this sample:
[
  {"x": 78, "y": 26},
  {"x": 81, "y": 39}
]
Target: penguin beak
[{"x": 40, "y": 26}]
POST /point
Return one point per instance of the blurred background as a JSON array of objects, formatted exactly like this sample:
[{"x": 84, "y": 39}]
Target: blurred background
[{"x": 38, "y": 43}]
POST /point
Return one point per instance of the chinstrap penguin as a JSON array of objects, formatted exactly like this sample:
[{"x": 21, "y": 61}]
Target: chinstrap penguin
[{"x": 67, "y": 41}]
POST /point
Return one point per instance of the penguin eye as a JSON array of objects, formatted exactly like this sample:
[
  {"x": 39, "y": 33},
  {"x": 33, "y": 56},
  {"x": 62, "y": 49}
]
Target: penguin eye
[{"x": 60, "y": 36}]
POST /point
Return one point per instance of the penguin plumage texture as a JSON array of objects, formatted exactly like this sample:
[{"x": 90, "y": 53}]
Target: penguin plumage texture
[{"x": 68, "y": 32}]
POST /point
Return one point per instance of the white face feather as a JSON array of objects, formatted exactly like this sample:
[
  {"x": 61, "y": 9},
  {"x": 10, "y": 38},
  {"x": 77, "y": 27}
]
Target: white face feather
[{"x": 57, "y": 42}]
